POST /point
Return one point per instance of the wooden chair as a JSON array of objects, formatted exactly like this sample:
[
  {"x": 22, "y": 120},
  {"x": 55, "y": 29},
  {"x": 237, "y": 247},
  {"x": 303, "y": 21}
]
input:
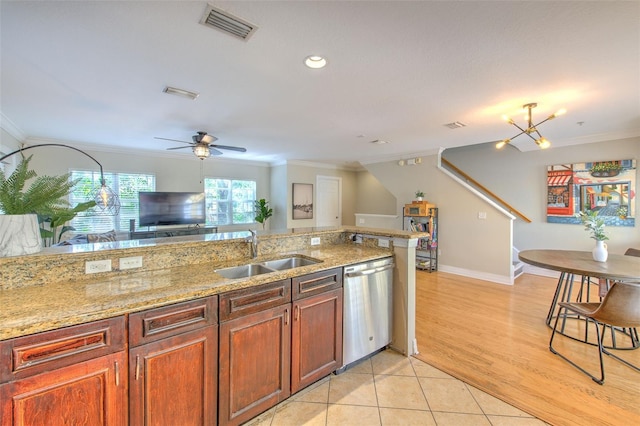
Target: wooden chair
[
  {"x": 619, "y": 308},
  {"x": 632, "y": 252}
]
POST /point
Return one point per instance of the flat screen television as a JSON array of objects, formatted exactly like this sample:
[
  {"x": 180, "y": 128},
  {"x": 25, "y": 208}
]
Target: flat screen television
[{"x": 171, "y": 208}]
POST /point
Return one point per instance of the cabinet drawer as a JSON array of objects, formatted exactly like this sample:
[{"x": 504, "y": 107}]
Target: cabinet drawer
[
  {"x": 25, "y": 356},
  {"x": 154, "y": 324},
  {"x": 319, "y": 282},
  {"x": 237, "y": 303}
]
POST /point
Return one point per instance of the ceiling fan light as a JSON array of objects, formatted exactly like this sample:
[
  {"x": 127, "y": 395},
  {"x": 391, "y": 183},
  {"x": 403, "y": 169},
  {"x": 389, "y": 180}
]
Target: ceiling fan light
[{"x": 201, "y": 151}]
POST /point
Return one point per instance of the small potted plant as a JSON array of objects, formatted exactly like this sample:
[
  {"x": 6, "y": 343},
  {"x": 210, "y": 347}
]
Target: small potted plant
[
  {"x": 263, "y": 211},
  {"x": 419, "y": 195},
  {"x": 595, "y": 225},
  {"x": 622, "y": 212}
]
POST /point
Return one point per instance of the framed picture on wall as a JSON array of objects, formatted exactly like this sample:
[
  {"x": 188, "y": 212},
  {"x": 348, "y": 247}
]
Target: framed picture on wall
[{"x": 302, "y": 201}]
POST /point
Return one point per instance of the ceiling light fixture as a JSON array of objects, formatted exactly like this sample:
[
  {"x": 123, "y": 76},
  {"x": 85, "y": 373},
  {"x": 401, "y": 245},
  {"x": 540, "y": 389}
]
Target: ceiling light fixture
[
  {"x": 201, "y": 150},
  {"x": 315, "y": 61},
  {"x": 541, "y": 141},
  {"x": 180, "y": 92}
]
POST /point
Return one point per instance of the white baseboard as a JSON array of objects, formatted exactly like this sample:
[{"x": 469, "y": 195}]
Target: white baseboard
[
  {"x": 494, "y": 278},
  {"x": 535, "y": 270}
]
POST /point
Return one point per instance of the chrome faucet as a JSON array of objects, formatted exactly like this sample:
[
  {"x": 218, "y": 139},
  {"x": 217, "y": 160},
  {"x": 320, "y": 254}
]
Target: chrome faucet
[{"x": 253, "y": 239}]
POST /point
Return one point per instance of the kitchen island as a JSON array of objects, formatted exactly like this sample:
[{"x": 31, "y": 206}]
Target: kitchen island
[{"x": 178, "y": 279}]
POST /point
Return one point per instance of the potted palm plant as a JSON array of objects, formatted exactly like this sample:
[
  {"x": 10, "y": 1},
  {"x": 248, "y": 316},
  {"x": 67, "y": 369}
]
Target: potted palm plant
[{"x": 21, "y": 205}]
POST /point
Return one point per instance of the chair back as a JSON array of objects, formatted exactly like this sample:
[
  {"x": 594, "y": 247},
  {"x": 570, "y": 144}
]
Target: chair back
[
  {"x": 632, "y": 252},
  {"x": 620, "y": 306}
]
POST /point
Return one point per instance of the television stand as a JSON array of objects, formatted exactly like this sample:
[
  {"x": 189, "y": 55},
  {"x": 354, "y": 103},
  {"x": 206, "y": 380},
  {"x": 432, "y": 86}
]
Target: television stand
[{"x": 172, "y": 232}]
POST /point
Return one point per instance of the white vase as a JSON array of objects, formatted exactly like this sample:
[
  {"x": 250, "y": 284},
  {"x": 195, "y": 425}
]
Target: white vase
[
  {"x": 19, "y": 235},
  {"x": 418, "y": 198},
  {"x": 600, "y": 252}
]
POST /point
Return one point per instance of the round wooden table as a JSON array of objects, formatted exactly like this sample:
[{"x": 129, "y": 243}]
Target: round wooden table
[{"x": 570, "y": 263}]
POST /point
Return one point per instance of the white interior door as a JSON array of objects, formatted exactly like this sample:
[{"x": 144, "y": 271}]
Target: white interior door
[{"x": 329, "y": 201}]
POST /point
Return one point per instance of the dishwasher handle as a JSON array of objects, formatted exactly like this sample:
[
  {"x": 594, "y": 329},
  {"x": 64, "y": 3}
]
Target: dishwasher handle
[{"x": 369, "y": 271}]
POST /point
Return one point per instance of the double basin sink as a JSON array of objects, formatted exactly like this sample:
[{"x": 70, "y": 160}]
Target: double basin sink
[{"x": 252, "y": 269}]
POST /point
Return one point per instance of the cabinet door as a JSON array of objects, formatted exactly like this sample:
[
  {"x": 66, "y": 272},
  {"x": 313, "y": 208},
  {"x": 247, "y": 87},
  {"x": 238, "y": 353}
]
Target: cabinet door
[
  {"x": 316, "y": 343},
  {"x": 173, "y": 381},
  {"x": 254, "y": 364},
  {"x": 92, "y": 393}
]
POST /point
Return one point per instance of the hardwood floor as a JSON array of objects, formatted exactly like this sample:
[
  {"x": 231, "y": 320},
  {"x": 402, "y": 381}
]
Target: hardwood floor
[{"x": 494, "y": 337}]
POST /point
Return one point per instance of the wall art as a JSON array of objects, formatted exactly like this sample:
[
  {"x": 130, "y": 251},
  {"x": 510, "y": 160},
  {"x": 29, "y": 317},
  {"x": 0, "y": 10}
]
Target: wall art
[
  {"x": 608, "y": 187},
  {"x": 302, "y": 201}
]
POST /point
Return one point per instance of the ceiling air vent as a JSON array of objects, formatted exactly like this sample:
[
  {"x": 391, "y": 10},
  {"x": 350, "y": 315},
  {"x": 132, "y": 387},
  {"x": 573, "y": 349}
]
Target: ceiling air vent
[
  {"x": 224, "y": 21},
  {"x": 455, "y": 125}
]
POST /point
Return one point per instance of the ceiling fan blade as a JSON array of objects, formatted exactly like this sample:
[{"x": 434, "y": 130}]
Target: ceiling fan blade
[
  {"x": 180, "y": 147},
  {"x": 214, "y": 151},
  {"x": 173, "y": 140},
  {"x": 230, "y": 148}
]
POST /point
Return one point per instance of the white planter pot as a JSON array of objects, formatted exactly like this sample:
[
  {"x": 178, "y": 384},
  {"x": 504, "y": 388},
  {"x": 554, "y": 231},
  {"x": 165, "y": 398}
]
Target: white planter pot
[
  {"x": 600, "y": 252},
  {"x": 19, "y": 235}
]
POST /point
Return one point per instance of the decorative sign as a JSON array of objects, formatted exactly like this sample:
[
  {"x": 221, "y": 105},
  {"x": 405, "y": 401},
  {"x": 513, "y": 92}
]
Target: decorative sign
[{"x": 608, "y": 187}]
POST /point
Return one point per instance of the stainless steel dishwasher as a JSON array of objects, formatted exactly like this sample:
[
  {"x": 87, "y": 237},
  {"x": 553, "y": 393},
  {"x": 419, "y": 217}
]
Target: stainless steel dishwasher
[{"x": 368, "y": 291}]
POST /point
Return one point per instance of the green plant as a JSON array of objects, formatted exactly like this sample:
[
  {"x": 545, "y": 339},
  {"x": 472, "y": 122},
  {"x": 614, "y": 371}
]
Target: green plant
[
  {"x": 594, "y": 224},
  {"x": 45, "y": 196},
  {"x": 419, "y": 194},
  {"x": 57, "y": 219},
  {"x": 622, "y": 211},
  {"x": 263, "y": 212},
  {"x": 605, "y": 167}
]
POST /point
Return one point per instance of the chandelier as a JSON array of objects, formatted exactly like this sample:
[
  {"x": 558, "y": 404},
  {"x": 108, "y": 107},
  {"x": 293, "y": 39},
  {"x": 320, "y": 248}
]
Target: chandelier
[{"x": 532, "y": 129}]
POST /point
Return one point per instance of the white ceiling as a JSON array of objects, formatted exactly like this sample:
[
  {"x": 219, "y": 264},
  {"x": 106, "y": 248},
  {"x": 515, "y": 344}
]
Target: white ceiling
[{"x": 92, "y": 72}]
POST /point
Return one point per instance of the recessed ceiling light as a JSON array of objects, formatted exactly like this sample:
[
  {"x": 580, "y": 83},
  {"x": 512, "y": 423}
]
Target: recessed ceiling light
[
  {"x": 379, "y": 142},
  {"x": 315, "y": 61},
  {"x": 180, "y": 92}
]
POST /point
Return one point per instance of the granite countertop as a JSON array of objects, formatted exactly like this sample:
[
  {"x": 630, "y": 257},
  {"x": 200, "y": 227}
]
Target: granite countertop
[{"x": 34, "y": 309}]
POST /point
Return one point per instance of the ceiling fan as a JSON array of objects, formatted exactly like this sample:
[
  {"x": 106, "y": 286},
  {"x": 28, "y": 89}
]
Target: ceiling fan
[{"x": 203, "y": 145}]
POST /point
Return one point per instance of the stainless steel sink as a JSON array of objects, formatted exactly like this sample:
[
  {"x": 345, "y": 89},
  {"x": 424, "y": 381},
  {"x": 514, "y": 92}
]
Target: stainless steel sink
[
  {"x": 290, "y": 262},
  {"x": 251, "y": 269},
  {"x": 244, "y": 271}
]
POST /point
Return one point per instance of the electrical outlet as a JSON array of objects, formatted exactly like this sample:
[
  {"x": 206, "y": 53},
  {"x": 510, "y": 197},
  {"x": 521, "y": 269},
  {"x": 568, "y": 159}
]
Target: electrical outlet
[
  {"x": 383, "y": 243},
  {"x": 315, "y": 241},
  {"x": 482, "y": 215},
  {"x": 95, "y": 266},
  {"x": 130, "y": 262}
]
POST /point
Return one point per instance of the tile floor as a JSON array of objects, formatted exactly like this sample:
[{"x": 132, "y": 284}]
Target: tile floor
[{"x": 390, "y": 389}]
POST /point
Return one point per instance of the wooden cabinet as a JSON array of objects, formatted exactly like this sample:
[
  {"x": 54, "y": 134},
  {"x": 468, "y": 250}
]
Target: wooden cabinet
[
  {"x": 74, "y": 376},
  {"x": 255, "y": 350},
  {"x": 173, "y": 364},
  {"x": 316, "y": 343}
]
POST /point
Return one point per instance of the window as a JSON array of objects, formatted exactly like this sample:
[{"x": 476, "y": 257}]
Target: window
[
  {"x": 229, "y": 202},
  {"x": 126, "y": 185}
]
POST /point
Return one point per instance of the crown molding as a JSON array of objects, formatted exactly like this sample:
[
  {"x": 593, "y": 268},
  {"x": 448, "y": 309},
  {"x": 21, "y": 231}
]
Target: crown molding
[{"x": 10, "y": 127}]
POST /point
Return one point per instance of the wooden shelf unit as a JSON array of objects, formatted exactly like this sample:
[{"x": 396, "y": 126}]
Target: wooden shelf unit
[{"x": 427, "y": 249}]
